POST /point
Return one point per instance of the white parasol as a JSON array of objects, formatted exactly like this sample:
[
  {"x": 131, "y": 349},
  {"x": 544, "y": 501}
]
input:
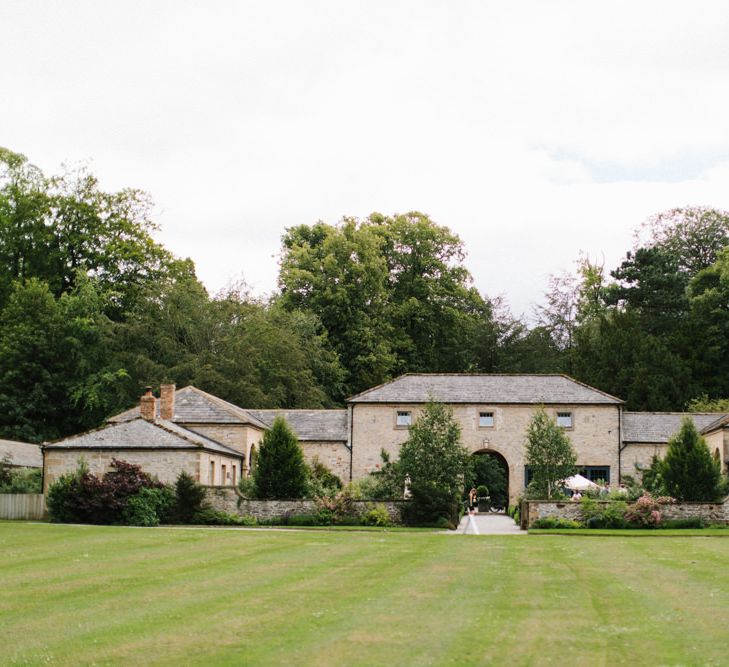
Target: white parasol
[{"x": 579, "y": 483}]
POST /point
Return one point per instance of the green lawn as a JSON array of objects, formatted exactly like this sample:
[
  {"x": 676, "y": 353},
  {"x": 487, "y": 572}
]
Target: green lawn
[{"x": 83, "y": 595}]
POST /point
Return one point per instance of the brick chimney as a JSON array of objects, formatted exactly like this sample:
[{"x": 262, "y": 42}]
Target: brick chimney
[
  {"x": 167, "y": 401},
  {"x": 148, "y": 405}
]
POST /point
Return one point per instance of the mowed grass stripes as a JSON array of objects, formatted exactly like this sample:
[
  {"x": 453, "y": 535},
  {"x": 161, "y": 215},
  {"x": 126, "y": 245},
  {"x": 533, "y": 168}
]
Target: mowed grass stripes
[{"x": 105, "y": 595}]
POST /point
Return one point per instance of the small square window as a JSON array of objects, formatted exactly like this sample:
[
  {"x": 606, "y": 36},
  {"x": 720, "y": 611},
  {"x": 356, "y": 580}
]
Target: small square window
[
  {"x": 564, "y": 419},
  {"x": 403, "y": 418},
  {"x": 486, "y": 419}
]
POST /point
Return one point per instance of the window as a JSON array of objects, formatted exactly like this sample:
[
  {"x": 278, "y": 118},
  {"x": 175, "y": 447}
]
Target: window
[
  {"x": 212, "y": 473},
  {"x": 233, "y": 475},
  {"x": 403, "y": 418},
  {"x": 223, "y": 471},
  {"x": 564, "y": 419},
  {"x": 486, "y": 419},
  {"x": 596, "y": 473}
]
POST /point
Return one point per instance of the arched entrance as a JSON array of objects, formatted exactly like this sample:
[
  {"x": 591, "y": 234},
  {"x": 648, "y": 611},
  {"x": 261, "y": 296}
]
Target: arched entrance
[{"x": 492, "y": 471}]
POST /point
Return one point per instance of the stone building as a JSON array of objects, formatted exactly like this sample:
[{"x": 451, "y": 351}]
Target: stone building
[
  {"x": 216, "y": 441},
  {"x": 21, "y": 454},
  {"x": 646, "y": 434}
]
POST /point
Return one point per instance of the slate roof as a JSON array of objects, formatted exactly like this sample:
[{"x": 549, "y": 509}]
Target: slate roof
[
  {"x": 487, "y": 389},
  {"x": 659, "y": 427},
  {"x": 194, "y": 406},
  {"x": 141, "y": 434},
  {"x": 319, "y": 425},
  {"x": 23, "y": 454}
]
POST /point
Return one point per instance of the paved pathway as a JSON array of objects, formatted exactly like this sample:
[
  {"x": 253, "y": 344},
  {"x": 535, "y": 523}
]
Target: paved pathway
[{"x": 491, "y": 524}]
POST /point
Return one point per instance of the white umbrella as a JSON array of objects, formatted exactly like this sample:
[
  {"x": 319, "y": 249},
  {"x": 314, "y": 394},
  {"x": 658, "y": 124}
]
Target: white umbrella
[{"x": 579, "y": 483}]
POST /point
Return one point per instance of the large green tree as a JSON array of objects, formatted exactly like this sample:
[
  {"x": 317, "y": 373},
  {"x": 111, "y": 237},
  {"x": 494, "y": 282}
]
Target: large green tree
[
  {"x": 55, "y": 228},
  {"x": 392, "y": 295}
]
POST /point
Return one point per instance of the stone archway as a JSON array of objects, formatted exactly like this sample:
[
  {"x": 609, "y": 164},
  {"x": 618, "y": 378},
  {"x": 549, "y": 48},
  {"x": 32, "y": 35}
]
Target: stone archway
[{"x": 492, "y": 470}]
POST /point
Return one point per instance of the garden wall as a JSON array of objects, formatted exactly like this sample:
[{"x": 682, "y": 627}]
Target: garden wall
[
  {"x": 229, "y": 499},
  {"x": 532, "y": 510}
]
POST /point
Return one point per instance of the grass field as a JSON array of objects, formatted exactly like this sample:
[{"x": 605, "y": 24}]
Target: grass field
[{"x": 83, "y": 595}]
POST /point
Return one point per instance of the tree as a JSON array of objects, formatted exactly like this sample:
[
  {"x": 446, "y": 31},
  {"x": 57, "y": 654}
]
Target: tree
[
  {"x": 689, "y": 470},
  {"x": 693, "y": 235},
  {"x": 392, "y": 295},
  {"x": 57, "y": 228},
  {"x": 436, "y": 463},
  {"x": 549, "y": 455},
  {"x": 280, "y": 471}
]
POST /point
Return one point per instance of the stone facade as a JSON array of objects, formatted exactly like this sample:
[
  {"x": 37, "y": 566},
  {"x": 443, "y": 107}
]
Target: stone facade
[
  {"x": 166, "y": 465},
  {"x": 230, "y": 500},
  {"x": 334, "y": 455},
  {"x": 542, "y": 509},
  {"x": 594, "y": 435},
  {"x": 240, "y": 437},
  {"x": 636, "y": 457}
]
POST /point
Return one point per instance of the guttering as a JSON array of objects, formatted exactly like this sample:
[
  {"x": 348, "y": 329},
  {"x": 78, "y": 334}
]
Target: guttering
[{"x": 350, "y": 415}]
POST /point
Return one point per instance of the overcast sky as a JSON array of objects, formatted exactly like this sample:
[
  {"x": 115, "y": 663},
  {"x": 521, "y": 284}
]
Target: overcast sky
[{"x": 534, "y": 130}]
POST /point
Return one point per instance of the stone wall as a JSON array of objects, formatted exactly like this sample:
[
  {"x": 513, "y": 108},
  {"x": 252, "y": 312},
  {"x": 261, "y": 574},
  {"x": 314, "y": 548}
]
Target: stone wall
[
  {"x": 594, "y": 435},
  {"x": 231, "y": 501},
  {"x": 531, "y": 510}
]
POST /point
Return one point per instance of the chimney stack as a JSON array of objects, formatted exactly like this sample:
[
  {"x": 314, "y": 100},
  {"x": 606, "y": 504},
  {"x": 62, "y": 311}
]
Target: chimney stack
[
  {"x": 167, "y": 401},
  {"x": 148, "y": 405}
]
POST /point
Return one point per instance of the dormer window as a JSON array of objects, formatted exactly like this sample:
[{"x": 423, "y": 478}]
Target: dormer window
[
  {"x": 403, "y": 418},
  {"x": 564, "y": 419}
]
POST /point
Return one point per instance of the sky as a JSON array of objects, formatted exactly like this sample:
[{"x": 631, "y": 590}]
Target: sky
[{"x": 536, "y": 131}]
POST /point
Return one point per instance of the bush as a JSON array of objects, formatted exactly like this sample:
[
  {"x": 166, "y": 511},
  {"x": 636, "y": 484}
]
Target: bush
[
  {"x": 683, "y": 523},
  {"x": 212, "y": 517},
  {"x": 62, "y": 498},
  {"x": 645, "y": 512},
  {"x": 247, "y": 487},
  {"x": 515, "y": 513},
  {"x": 604, "y": 515},
  {"x": 149, "y": 507},
  {"x": 430, "y": 505},
  {"x": 322, "y": 481},
  {"x": 335, "y": 508},
  {"x": 21, "y": 480},
  {"x": 555, "y": 522},
  {"x": 84, "y": 498},
  {"x": 189, "y": 498},
  {"x": 305, "y": 520},
  {"x": 376, "y": 516}
]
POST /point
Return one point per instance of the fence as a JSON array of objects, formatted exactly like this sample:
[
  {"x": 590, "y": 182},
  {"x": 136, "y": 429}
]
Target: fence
[{"x": 28, "y": 506}]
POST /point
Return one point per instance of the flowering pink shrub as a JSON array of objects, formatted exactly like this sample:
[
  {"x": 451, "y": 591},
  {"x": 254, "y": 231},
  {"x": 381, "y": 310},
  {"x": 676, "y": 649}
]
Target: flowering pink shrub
[{"x": 646, "y": 511}]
